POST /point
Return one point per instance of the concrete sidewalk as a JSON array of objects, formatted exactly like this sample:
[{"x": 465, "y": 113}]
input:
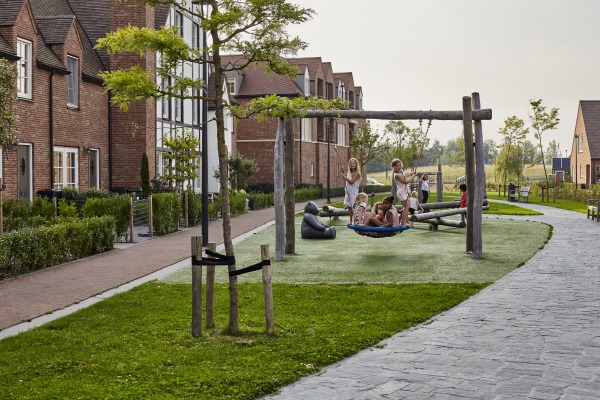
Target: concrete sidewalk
[
  {"x": 37, "y": 294},
  {"x": 533, "y": 334}
]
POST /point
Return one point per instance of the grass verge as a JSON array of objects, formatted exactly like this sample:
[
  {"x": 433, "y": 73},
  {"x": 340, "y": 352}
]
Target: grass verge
[{"x": 138, "y": 344}]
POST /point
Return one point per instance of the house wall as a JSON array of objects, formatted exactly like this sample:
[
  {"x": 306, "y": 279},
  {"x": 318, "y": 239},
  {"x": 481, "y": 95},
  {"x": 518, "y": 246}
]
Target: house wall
[{"x": 581, "y": 161}]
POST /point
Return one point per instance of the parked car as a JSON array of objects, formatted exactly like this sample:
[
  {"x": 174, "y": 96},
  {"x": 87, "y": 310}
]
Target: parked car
[{"x": 371, "y": 181}]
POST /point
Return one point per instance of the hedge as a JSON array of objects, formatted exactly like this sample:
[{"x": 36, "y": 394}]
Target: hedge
[
  {"x": 116, "y": 206},
  {"x": 166, "y": 213},
  {"x": 31, "y": 249}
]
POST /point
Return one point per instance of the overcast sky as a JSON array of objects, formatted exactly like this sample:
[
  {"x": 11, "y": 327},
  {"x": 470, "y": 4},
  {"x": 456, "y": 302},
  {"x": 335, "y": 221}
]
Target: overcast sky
[{"x": 428, "y": 54}]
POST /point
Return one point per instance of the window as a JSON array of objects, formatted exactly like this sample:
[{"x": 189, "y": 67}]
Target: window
[
  {"x": 65, "y": 167},
  {"x": 581, "y": 170},
  {"x": 306, "y": 84},
  {"x": 195, "y": 107},
  {"x": 73, "y": 81},
  {"x": 195, "y": 36},
  {"x": 24, "y": 68},
  {"x": 312, "y": 169},
  {"x": 178, "y": 106},
  {"x": 231, "y": 86},
  {"x": 178, "y": 23},
  {"x": 306, "y": 126},
  {"x": 580, "y": 143},
  {"x": 341, "y": 134},
  {"x": 165, "y": 100}
]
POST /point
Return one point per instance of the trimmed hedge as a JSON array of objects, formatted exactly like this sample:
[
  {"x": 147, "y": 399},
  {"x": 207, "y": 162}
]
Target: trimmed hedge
[
  {"x": 116, "y": 206},
  {"x": 31, "y": 249},
  {"x": 166, "y": 213}
]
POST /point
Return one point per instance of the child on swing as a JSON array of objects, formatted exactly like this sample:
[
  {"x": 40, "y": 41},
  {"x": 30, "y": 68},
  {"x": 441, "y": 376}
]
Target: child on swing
[
  {"x": 390, "y": 215},
  {"x": 360, "y": 209},
  {"x": 403, "y": 182},
  {"x": 352, "y": 178}
]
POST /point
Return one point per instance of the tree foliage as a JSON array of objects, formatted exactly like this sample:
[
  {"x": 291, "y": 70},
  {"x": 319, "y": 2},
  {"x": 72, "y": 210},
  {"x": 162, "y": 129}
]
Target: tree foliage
[
  {"x": 8, "y": 95},
  {"x": 510, "y": 161},
  {"x": 181, "y": 162},
  {"x": 542, "y": 121},
  {"x": 363, "y": 144}
]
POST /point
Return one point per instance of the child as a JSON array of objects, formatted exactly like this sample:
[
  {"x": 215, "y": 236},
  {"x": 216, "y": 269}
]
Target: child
[
  {"x": 360, "y": 209},
  {"x": 425, "y": 187},
  {"x": 463, "y": 200},
  {"x": 378, "y": 210},
  {"x": 403, "y": 183},
  {"x": 352, "y": 179},
  {"x": 391, "y": 217},
  {"x": 413, "y": 203}
]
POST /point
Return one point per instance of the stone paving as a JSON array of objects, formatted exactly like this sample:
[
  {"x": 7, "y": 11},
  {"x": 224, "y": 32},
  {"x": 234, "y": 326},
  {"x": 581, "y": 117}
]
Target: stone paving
[{"x": 533, "y": 334}]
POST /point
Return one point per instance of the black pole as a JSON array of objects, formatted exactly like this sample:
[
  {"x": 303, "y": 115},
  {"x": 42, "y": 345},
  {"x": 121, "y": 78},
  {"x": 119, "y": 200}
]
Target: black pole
[
  {"x": 204, "y": 144},
  {"x": 51, "y": 131},
  {"x": 328, "y": 161}
]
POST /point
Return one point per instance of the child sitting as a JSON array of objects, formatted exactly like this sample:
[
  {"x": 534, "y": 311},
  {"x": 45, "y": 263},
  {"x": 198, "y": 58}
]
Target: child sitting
[
  {"x": 360, "y": 209},
  {"x": 413, "y": 204},
  {"x": 391, "y": 217}
]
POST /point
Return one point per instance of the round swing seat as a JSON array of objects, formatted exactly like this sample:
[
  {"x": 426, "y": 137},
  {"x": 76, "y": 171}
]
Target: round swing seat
[{"x": 378, "y": 231}]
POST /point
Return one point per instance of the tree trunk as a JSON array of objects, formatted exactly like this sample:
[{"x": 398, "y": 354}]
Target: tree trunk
[
  {"x": 224, "y": 183},
  {"x": 278, "y": 195},
  {"x": 290, "y": 203}
]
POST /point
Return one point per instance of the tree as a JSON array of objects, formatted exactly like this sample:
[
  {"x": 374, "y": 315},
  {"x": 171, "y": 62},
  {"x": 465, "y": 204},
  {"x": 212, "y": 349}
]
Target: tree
[
  {"x": 145, "y": 176},
  {"x": 255, "y": 29},
  {"x": 454, "y": 152},
  {"x": 181, "y": 163},
  {"x": 509, "y": 161},
  {"x": 240, "y": 169},
  {"x": 541, "y": 122},
  {"x": 552, "y": 151},
  {"x": 490, "y": 150},
  {"x": 363, "y": 145},
  {"x": 8, "y": 95}
]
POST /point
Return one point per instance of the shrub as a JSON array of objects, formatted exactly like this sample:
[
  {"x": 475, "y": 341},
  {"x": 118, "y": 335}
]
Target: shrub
[
  {"x": 166, "y": 212},
  {"x": 258, "y": 201},
  {"x": 31, "y": 249},
  {"x": 194, "y": 208},
  {"x": 307, "y": 193},
  {"x": 117, "y": 206},
  {"x": 237, "y": 202}
]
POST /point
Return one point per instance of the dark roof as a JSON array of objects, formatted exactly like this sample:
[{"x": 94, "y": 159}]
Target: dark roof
[
  {"x": 257, "y": 82},
  {"x": 46, "y": 58},
  {"x": 313, "y": 63},
  {"x": 9, "y": 10},
  {"x": 54, "y": 29},
  {"x": 590, "y": 110},
  {"x": 346, "y": 77},
  {"x": 94, "y": 17},
  {"x": 160, "y": 15},
  {"x": 5, "y": 50}
]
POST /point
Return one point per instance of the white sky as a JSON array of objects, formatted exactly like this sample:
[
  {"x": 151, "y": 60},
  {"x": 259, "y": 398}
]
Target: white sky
[{"x": 428, "y": 54}]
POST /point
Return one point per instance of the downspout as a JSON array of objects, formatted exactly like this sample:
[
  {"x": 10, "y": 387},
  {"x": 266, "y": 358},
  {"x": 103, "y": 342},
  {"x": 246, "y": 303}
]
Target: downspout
[
  {"x": 51, "y": 133},
  {"x": 110, "y": 152}
]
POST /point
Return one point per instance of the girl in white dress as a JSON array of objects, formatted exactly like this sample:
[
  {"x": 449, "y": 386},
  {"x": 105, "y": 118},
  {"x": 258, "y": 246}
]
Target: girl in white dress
[{"x": 352, "y": 179}]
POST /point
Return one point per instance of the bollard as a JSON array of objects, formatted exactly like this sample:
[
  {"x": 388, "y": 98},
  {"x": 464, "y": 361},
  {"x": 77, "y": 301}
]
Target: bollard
[
  {"x": 210, "y": 290},
  {"x": 196, "y": 287}
]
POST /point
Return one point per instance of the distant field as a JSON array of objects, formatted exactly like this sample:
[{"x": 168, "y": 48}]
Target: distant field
[{"x": 451, "y": 173}]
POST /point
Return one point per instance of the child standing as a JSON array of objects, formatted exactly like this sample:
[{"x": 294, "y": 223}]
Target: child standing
[
  {"x": 425, "y": 187},
  {"x": 463, "y": 200},
  {"x": 360, "y": 210},
  {"x": 352, "y": 178},
  {"x": 403, "y": 183}
]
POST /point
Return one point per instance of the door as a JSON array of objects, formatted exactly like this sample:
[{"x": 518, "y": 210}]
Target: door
[
  {"x": 94, "y": 169},
  {"x": 24, "y": 171}
]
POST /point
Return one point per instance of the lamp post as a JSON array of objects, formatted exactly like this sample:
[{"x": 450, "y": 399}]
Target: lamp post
[
  {"x": 328, "y": 128},
  {"x": 576, "y": 138}
]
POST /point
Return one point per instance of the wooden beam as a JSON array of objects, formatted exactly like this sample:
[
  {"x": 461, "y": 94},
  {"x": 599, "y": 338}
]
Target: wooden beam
[{"x": 477, "y": 115}]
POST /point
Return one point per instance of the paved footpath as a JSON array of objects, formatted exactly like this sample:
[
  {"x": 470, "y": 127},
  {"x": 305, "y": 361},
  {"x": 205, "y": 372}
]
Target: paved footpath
[{"x": 534, "y": 334}]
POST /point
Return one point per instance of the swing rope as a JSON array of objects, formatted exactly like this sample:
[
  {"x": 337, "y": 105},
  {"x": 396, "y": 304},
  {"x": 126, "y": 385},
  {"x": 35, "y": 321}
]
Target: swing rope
[{"x": 424, "y": 141}]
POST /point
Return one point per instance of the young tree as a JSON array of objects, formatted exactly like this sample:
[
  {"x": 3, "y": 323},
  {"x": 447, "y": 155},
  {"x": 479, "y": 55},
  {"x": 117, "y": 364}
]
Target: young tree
[
  {"x": 552, "y": 151},
  {"x": 240, "y": 169},
  {"x": 181, "y": 163},
  {"x": 256, "y": 29},
  {"x": 509, "y": 162},
  {"x": 363, "y": 145},
  {"x": 490, "y": 150},
  {"x": 541, "y": 122},
  {"x": 8, "y": 95},
  {"x": 145, "y": 176}
]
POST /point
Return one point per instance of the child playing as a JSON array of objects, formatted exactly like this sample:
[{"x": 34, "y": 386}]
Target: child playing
[
  {"x": 425, "y": 187},
  {"x": 413, "y": 204},
  {"x": 352, "y": 179},
  {"x": 403, "y": 183},
  {"x": 360, "y": 209},
  {"x": 391, "y": 217},
  {"x": 463, "y": 200}
]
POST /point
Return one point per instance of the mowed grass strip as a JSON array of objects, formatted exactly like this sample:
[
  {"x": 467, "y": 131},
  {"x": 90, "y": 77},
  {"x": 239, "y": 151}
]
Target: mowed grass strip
[{"x": 138, "y": 344}]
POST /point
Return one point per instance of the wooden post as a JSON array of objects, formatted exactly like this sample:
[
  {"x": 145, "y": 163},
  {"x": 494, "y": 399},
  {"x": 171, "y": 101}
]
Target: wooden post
[
  {"x": 479, "y": 184},
  {"x": 55, "y": 202},
  {"x": 1, "y": 208},
  {"x": 469, "y": 167},
  {"x": 185, "y": 208},
  {"x": 290, "y": 203},
  {"x": 130, "y": 219},
  {"x": 278, "y": 195},
  {"x": 196, "y": 287},
  {"x": 210, "y": 290},
  {"x": 267, "y": 289},
  {"x": 150, "y": 216},
  {"x": 440, "y": 184}
]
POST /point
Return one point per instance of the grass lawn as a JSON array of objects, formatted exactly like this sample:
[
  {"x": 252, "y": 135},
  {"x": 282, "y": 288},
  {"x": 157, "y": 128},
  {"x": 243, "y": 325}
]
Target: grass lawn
[{"x": 332, "y": 299}]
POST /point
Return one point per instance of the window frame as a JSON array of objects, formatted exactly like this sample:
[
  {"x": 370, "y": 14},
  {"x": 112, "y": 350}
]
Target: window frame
[
  {"x": 73, "y": 82},
  {"x": 61, "y": 176},
  {"x": 24, "y": 83},
  {"x": 231, "y": 83},
  {"x": 306, "y": 128},
  {"x": 341, "y": 134}
]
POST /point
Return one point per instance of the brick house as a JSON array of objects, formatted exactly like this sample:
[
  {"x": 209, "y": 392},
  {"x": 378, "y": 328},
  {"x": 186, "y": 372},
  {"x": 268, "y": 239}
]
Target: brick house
[
  {"x": 585, "y": 151},
  {"x": 69, "y": 135},
  {"x": 315, "y": 137}
]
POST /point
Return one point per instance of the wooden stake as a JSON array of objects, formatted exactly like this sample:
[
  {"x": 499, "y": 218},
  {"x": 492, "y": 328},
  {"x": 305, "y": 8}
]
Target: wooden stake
[
  {"x": 196, "y": 287},
  {"x": 130, "y": 219},
  {"x": 267, "y": 289},
  {"x": 469, "y": 167},
  {"x": 150, "y": 216},
  {"x": 210, "y": 290},
  {"x": 185, "y": 209},
  {"x": 479, "y": 184}
]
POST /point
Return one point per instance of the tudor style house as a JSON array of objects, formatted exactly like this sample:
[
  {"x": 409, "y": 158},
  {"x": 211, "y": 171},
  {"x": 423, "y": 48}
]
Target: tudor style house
[
  {"x": 322, "y": 144},
  {"x": 585, "y": 152},
  {"x": 68, "y": 133}
]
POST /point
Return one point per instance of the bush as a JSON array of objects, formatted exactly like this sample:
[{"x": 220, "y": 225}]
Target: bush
[
  {"x": 258, "y": 201},
  {"x": 116, "y": 206},
  {"x": 31, "y": 249},
  {"x": 194, "y": 208},
  {"x": 307, "y": 193},
  {"x": 166, "y": 212}
]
